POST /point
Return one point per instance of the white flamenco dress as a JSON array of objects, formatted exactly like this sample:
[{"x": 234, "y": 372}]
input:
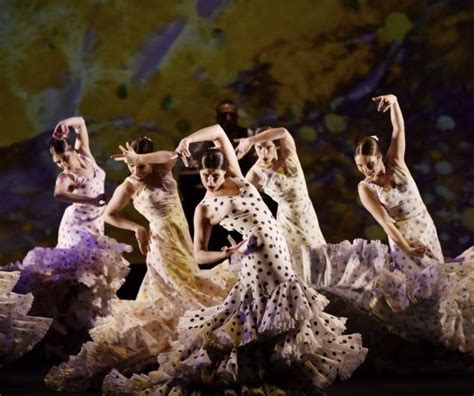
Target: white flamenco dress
[
  {"x": 270, "y": 331},
  {"x": 75, "y": 282},
  {"x": 137, "y": 330},
  {"x": 414, "y": 297},
  {"x": 19, "y": 332}
]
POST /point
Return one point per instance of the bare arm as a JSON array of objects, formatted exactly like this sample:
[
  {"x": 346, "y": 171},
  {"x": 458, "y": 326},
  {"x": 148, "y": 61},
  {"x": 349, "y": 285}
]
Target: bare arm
[
  {"x": 253, "y": 178},
  {"x": 122, "y": 197},
  {"x": 378, "y": 212},
  {"x": 82, "y": 139},
  {"x": 165, "y": 158},
  {"x": 396, "y": 151},
  {"x": 63, "y": 192},
  {"x": 216, "y": 135},
  {"x": 287, "y": 143},
  {"x": 202, "y": 232}
]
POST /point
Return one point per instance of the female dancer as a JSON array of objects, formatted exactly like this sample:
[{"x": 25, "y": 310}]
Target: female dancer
[
  {"x": 138, "y": 330},
  {"x": 19, "y": 332},
  {"x": 279, "y": 174},
  {"x": 75, "y": 282},
  {"x": 412, "y": 290},
  {"x": 271, "y": 328}
]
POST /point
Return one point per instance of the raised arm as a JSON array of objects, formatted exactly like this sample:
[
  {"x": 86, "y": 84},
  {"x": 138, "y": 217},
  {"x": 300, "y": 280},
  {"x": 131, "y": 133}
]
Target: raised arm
[
  {"x": 216, "y": 135},
  {"x": 287, "y": 143},
  {"x": 396, "y": 151},
  {"x": 378, "y": 212},
  {"x": 82, "y": 137},
  {"x": 63, "y": 192},
  {"x": 202, "y": 232},
  {"x": 162, "y": 157},
  {"x": 121, "y": 198}
]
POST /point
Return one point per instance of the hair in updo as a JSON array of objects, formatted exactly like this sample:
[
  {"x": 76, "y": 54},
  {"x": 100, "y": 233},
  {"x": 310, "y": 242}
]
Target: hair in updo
[
  {"x": 142, "y": 145},
  {"x": 368, "y": 146},
  {"x": 213, "y": 158},
  {"x": 58, "y": 146}
]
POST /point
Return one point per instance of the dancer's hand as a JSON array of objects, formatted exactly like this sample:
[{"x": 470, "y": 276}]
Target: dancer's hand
[
  {"x": 100, "y": 200},
  {"x": 418, "y": 250},
  {"x": 234, "y": 246},
  {"x": 128, "y": 155},
  {"x": 61, "y": 130},
  {"x": 243, "y": 147},
  {"x": 141, "y": 234},
  {"x": 183, "y": 151},
  {"x": 385, "y": 102}
]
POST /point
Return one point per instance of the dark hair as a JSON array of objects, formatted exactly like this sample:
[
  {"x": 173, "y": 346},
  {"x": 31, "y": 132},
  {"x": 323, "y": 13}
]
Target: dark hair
[
  {"x": 142, "y": 145},
  {"x": 213, "y": 158},
  {"x": 58, "y": 146},
  {"x": 368, "y": 146},
  {"x": 224, "y": 102}
]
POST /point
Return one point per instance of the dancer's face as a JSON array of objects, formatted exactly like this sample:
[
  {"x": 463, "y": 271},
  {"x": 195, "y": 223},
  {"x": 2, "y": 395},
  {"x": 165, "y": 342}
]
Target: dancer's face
[
  {"x": 212, "y": 179},
  {"x": 140, "y": 171},
  {"x": 64, "y": 160},
  {"x": 369, "y": 165},
  {"x": 266, "y": 152}
]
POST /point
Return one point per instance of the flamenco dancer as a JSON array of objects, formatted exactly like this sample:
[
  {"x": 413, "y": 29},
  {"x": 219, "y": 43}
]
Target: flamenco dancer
[
  {"x": 19, "y": 332},
  {"x": 271, "y": 330},
  {"x": 412, "y": 290},
  {"x": 279, "y": 174},
  {"x": 74, "y": 282},
  {"x": 136, "y": 331}
]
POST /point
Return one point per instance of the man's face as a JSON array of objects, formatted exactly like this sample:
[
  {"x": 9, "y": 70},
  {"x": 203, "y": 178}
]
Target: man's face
[{"x": 227, "y": 116}]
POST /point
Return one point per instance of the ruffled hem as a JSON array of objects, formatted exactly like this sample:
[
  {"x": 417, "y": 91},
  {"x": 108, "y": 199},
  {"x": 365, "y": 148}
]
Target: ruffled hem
[
  {"x": 19, "y": 332},
  {"x": 133, "y": 334},
  {"x": 285, "y": 334},
  {"x": 86, "y": 275},
  {"x": 362, "y": 273}
]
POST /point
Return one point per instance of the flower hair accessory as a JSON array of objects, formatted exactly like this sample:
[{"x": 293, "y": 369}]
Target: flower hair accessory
[{"x": 375, "y": 137}]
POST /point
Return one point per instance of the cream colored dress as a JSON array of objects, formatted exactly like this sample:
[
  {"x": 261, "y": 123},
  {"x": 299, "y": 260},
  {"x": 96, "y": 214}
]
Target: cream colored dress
[{"x": 138, "y": 330}]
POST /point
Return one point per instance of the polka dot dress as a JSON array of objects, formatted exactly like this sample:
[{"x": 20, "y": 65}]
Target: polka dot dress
[
  {"x": 136, "y": 331},
  {"x": 19, "y": 332},
  {"x": 75, "y": 282},
  {"x": 416, "y": 298},
  {"x": 296, "y": 214},
  {"x": 80, "y": 219},
  {"x": 404, "y": 205},
  {"x": 270, "y": 329}
]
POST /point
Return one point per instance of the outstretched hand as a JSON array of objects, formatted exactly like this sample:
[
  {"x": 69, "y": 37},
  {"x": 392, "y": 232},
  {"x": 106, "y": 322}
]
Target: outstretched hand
[
  {"x": 384, "y": 102},
  {"x": 243, "y": 147},
  {"x": 128, "y": 155}
]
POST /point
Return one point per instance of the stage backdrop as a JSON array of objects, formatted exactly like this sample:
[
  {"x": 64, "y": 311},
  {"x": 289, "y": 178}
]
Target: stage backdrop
[{"x": 159, "y": 67}]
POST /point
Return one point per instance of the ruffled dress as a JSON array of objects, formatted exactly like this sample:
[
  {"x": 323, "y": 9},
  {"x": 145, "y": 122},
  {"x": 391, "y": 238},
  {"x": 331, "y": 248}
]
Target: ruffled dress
[
  {"x": 270, "y": 331},
  {"x": 137, "y": 330},
  {"x": 414, "y": 297},
  {"x": 75, "y": 282},
  {"x": 296, "y": 214},
  {"x": 19, "y": 332}
]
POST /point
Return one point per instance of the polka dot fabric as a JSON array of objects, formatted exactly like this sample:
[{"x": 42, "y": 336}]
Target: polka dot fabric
[
  {"x": 75, "y": 282},
  {"x": 80, "y": 219},
  {"x": 270, "y": 329},
  {"x": 296, "y": 214},
  {"x": 136, "y": 331},
  {"x": 19, "y": 332},
  {"x": 417, "y": 298}
]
